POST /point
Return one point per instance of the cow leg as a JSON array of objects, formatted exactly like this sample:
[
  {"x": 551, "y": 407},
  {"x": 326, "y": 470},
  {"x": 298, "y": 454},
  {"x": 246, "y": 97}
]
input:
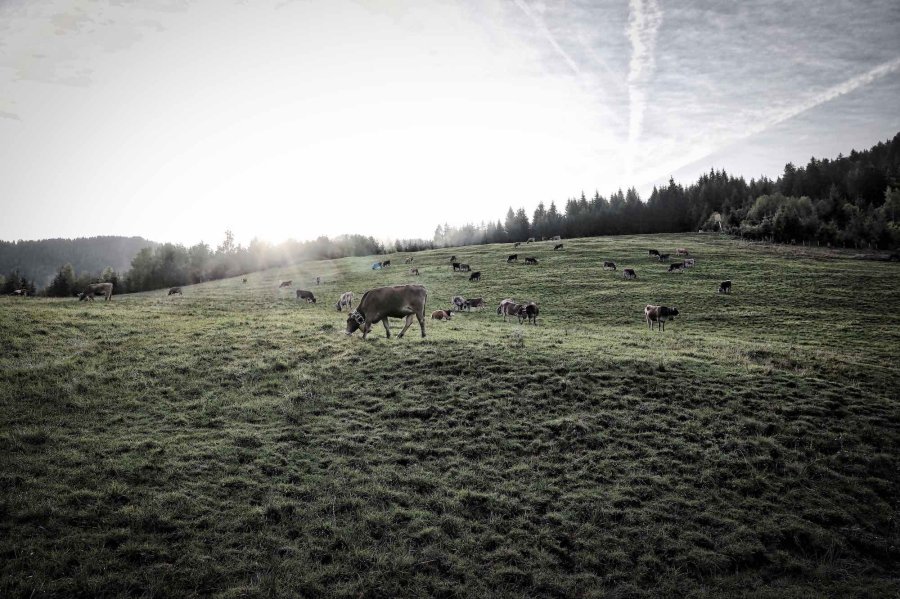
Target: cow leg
[
  {"x": 421, "y": 317},
  {"x": 386, "y": 327},
  {"x": 408, "y": 323}
]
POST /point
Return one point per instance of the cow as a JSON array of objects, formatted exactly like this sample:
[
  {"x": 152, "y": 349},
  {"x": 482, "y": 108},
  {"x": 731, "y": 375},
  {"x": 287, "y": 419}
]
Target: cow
[
  {"x": 689, "y": 263},
  {"x": 105, "y": 288},
  {"x": 397, "y": 302},
  {"x": 455, "y": 266},
  {"x": 681, "y": 252},
  {"x": 244, "y": 281},
  {"x": 458, "y": 301},
  {"x": 512, "y": 258},
  {"x": 306, "y": 295},
  {"x": 452, "y": 259},
  {"x": 376, "y": 266},
  {"x": 20, "y": 293},
  {"x": 475, "y": 302},
  {"x": 653, "y": 253},
  {"x": 555, "y": 238},
  {"x": 285, "y": 284},
  {"x": 725, "y": 287},
  {"x": 174, "y": 290},
  {"x": 659, "y": 315},
  {"x": 475, "y": 276},
  {"x": 441, "y": 315},
  {"x": 408, "y": 260},
  {"x": 558, "y": 246},
  {"x": 464, "y": 268},
  {"x": 318, "y": 280},
  {"x": 346, "y": 299},
  {"x": 414, "y": 271},
  {"x": 509, "y": 308},
  {"x": 517, "y": 244},
  {"x": 609, "y": 265},
  {"x": 530, "y": 240},
  {"x": 529, "y": 313},
  {"x": 385, "y": 264},
  {"x": 531, "y": 261},
  {"x": 629, "y": 273},
  {"x": 662, "y": 257},
  {"x": 676, "y": 267}
]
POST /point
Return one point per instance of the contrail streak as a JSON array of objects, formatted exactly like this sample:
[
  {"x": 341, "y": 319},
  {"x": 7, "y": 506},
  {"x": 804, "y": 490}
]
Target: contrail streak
[
  {"x": 780, "y": 116},
  {"x": 644, "y": 18},
  {"x": 542, "y": 28}
]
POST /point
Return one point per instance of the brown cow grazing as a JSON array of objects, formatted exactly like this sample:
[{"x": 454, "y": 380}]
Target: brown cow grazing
[
  {"x": 677, "y": 267},
  {"x": 681, "y": 252},
  {"x": 465, "y": 268},
  {"x": 346, "y": 299},
  {"x": 475, "y": 302},
  {"x": 500, "y": 308},
  {"x": 609, "y": 265},
  {"x": 531, "y": 261},
  {"x": 384, "y": 302},
  {"x": 653, "y": 253},
  {"x": 175, "y": 290},
  {"x": 558, "y": 246},
  {"x": 285, "y": 284},
  {"x": 455, "y": 266},
  {"x": 414, "y": 271},
  {"x": 509, "y": 308},
  {"x": 659, "y": 315},
  {"x": 105, "y": 288},
  {"x": 629, "y": 273},
  {"x": 529, "y": 313},
  {"x": 725, "y": 287},
  {"x": 441, "y": 315},
  {"x": 512, "y": 258},
  {"x": 475, "y": 276},
  {"x": 306, "y": 295}
]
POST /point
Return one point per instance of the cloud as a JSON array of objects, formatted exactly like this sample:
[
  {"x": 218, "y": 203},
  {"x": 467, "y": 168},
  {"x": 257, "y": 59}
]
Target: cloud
[
  {"x": 542, "y": 28},
  {"x": 644, "y": 19},
  {"x": 778, "y": 116}
]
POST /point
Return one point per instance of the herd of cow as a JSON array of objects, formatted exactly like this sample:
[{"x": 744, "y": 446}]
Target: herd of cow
[{"x": 407, "y": 301}]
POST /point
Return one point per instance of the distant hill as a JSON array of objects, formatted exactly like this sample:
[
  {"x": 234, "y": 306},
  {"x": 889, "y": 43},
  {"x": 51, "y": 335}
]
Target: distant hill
[{"x": 39, "y": 260}]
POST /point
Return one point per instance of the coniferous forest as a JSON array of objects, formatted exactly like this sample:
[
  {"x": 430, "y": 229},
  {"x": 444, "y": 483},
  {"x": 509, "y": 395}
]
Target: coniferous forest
[{"x": 851, "y": 201}]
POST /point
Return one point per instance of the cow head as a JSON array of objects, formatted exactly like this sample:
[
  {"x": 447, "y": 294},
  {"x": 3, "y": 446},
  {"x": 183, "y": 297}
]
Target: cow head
[
  {"x": 355, "y": 321},
  {"x": 673, "y": 312}
]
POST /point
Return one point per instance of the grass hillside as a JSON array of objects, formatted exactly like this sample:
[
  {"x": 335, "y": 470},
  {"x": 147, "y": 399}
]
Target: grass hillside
[{"x": 234, "y": 442}]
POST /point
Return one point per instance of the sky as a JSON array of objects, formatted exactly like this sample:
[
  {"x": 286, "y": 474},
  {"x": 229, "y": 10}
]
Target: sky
[{"x": 178, "y": 119}]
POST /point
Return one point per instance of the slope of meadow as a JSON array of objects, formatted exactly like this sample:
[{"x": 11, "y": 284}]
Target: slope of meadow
[{"x": 235, "y": 442}]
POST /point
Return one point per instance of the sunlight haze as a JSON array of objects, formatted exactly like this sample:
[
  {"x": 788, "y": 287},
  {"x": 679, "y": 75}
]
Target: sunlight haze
[{"x": 177, "y": 120}]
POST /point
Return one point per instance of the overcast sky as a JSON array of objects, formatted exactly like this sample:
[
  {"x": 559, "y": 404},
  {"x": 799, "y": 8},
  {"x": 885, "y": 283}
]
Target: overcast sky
[{"x": 177, "y": 119}]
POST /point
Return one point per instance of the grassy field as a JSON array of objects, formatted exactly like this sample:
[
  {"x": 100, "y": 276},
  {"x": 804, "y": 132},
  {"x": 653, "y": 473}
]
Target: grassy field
[{"x": 234, "y": 442}]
